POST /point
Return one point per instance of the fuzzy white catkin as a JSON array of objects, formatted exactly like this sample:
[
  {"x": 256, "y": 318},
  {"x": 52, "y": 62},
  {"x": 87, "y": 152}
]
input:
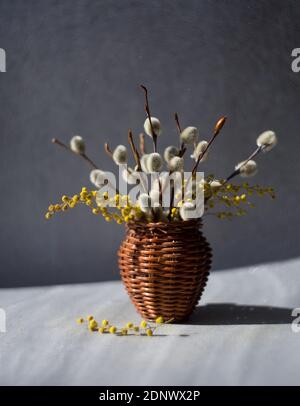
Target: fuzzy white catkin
[
  {"x": 129, "y": 176},
  {"x": 247, "y": 170},
  {"x": 202, "y": 183},
  {"x": 200, "y": 148},
  {"x": 120, "y": 155},
  {"x": 176, "y": 164},
  {"x": 190, "y": 210},
  {"x": 170, "y": 152},
  {"x": 162, "y": 180},
  {"x": 154, "y": 162},
  {"x": 144, "y": 202},
  {"x": 267, "y": 140},
  {"x": 155, "y": 124},
  {"x": 154, "y": 195},
  {"x": 77, "y": 144},
  {"x": 215, "y": 185},
  {"x": 189, "y": 135},
  {"x": 97, "y": 177},
  {"x": 143, "y": 161},
  {"x": 185, "y": 210}
]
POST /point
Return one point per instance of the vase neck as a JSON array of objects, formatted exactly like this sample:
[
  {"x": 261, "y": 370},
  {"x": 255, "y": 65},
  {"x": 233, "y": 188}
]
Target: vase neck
[{"x": 165, "y": 227}]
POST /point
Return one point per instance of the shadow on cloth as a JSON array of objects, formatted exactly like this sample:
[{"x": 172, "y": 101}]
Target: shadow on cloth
[{"x": 232, "y": 313}]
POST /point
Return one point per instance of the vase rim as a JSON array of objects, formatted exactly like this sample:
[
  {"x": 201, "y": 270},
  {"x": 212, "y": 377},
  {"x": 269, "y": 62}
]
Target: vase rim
[{"x": 166, "y": 225}]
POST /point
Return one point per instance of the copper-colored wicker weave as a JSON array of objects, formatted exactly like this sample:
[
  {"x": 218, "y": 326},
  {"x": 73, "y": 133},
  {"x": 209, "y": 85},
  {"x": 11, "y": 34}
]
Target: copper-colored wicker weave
[{"x": 164, "y": 267}]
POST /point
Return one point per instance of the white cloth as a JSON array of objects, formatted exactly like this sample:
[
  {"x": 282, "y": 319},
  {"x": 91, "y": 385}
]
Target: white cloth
[{"x": 222, "y": 344}]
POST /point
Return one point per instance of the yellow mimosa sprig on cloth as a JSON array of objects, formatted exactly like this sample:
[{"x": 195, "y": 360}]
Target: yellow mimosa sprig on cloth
[{"x": 145, "y": 328}]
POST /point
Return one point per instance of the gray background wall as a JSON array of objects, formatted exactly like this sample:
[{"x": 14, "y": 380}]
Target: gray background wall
[{"x": 73, "y": 67}]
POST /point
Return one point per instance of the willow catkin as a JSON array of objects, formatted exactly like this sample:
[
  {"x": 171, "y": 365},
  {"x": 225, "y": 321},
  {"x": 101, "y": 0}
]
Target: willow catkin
[
  {"x": 267, "y": 140},
  {"x": 120, "y": 155},
  {"x": 170, "y": 152},
  {"x": 154, "y": 162},
  {"x": 155, "y": 124},
  {"x": 189, "y": 135},
  {"x": 77, "y": 144},
  {"x": 176, "y": 164},
  {"x": 247, "y": 169},
  {"x": 98, "y": 177},
  {"x": 200, "y": 148}
]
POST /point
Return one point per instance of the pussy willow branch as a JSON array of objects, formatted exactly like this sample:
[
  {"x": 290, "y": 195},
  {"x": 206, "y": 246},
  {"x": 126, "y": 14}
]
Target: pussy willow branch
[
  {"x": 147, "y": 109},
  {"x": 84, "y": 156},
  {"x": 135, "y": 155},
  {"x": 134, "y": 151},
  {"x": 217, "y": 130},
  {"x": 177, "y": 123},
  {"x": 142, "y": 144},
  {"x": 181, "y": 153},
  {"x": 182, "y": 147},
  {"x": 136, "y": 158},
  {"x": 108, "y": 150},
  {"x": 218, "y": 127},
  {"x": 237, "y": 171},
  {"x": 154, "y": 135}
]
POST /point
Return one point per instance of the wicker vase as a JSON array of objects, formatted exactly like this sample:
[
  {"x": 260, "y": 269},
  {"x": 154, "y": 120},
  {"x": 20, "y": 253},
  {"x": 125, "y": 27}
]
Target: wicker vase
[{"x": 164, "y": 267}]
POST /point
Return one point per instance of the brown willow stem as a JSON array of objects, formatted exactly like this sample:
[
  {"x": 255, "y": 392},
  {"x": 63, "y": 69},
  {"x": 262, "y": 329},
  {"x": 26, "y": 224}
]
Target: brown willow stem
[
  {"x": 181, "y": 153},
  {"x": 219, "y": 125},
  {"x": 136, "y": 158},
  {"x": 84, "y": 156},
  {"x": 134, "y": 151},
  {"x": 237, "y": 171},
  {"x": 147, "y": 109},
  {"x": 171, "y": 200},
  {"x": 142, "y": 144},
  {"x": 217, "y": 130},
  {"x": 160, "y": 191},
  {"x": 177, "y": 123},
  {"x": 108, "y": 150},
  {"x": 182, "y": 147}
]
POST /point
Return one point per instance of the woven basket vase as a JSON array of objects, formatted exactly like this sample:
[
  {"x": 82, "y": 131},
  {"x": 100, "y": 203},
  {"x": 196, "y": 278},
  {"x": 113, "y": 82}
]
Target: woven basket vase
[{"x": 164, "y": 267}]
